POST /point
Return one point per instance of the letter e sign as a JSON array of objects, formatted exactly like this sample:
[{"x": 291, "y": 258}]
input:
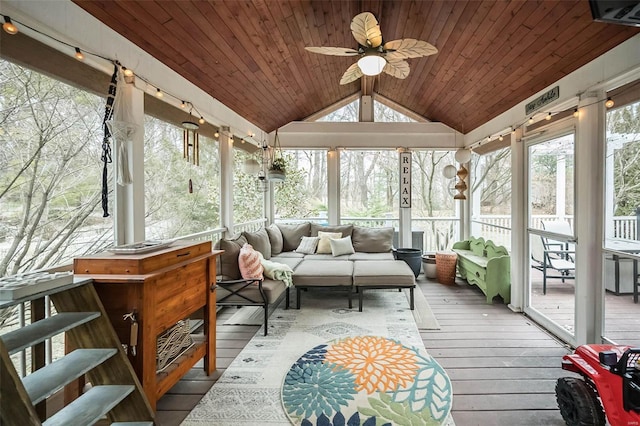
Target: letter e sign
[{"x": 405, "y": 180}]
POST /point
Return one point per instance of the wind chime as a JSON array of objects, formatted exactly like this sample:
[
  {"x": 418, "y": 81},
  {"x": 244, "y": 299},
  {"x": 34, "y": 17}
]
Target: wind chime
[{"x": 191, "y": 145}]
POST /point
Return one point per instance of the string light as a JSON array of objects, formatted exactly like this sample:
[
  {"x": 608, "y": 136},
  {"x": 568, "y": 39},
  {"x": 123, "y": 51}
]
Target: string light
[
  {"x": 127, "y": 72},
  {"x": 530, "y": 120},
  {"x": 216, "y": 135},
  {"x": 548, "y": 117},
  {"x": 575, "y": 112},
  {"x": 8, "y": 26},
  {"x": 501, "y": 138},
  {"x": 609, "y": 103}
]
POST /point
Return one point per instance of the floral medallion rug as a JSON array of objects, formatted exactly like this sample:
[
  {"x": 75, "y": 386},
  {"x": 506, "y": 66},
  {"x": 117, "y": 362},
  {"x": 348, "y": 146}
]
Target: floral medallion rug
[{"x": 328, "y": 365}]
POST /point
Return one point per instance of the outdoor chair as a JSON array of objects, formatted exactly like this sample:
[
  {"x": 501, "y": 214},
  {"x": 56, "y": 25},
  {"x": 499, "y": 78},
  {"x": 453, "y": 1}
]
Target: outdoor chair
[
  {"x": 553, "y": 259},
  {"x": 251, "y": 292}
]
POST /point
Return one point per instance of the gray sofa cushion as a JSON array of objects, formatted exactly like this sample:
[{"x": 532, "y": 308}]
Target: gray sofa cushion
[
  {"x": 323, "y": 273},
  {"x": 392, "y": 273},
  {"x": 227, "y": 264},
  {"x": 260, "y": 241},
  {"x": 291, "y": 262},
  {"x": 345, "y": 230},
  {"x": 292, "y": 234},
  {"x": 371, "y": 256},
  {"x": 372, "y": 240},
  {"x": 275, "y": 237},
  {"x": 322, "y": 256}
]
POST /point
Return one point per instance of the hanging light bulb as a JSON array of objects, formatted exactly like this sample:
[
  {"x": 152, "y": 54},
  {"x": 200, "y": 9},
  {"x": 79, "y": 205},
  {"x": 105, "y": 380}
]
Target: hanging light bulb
[
  {"x": 216, "y": 135},
  {"x": 8, "y": 26},
  {"x": 609, "y": 103},
  {"x": 183, "y": 104},
  {"x": 79, "y": 55},
  {"x": 501, "y": 138},
  {"x": 575, "y": 112},
  {"x": 530, "y": 120},
  {"x": 159, "y": 93},
  {"x": 127, "y": 72},
  {"x": 201, "y": 120},
  {"x": 548, "y": 117}
]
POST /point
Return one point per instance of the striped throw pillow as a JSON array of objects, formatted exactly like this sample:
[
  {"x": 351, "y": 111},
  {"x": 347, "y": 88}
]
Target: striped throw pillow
[{"x": 249, "y": 262}]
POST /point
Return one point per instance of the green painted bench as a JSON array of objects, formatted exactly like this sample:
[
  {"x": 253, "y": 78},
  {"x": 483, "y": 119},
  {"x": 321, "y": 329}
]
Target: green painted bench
[{"x": 486, "y": 265}]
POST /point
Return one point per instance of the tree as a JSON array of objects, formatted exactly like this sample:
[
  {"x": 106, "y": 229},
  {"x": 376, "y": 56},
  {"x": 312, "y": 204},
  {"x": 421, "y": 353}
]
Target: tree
[{"x": 50, "y": 177}]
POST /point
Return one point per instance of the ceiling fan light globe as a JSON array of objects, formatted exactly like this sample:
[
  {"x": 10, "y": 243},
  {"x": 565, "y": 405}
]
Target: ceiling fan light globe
[{"x": 371, "y": 64}]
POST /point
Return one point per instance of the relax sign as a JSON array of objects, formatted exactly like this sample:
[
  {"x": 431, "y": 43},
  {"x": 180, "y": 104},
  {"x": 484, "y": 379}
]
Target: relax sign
[{"x": 405, "y": 180}]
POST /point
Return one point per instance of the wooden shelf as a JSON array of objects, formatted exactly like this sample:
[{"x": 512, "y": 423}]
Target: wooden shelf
[{"x": 162, "y": 288}]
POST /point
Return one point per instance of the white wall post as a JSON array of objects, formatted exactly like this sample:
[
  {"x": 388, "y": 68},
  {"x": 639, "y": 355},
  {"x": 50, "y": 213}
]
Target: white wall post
[
  {"x": 226, "y": 180},
  {"x": 333, "y": 186},
  {"x": 589, "y": 188},
  {"x": 519, "y": 217}
]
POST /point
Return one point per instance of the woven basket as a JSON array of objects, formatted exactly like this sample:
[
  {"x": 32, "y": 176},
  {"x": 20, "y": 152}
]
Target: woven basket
[
  {"x": 172, "y": 343},
  {"x": 446, "y": 267}
]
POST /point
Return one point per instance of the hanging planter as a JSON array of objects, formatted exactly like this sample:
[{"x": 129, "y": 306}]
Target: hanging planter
[{"x": 277, "y": 168}]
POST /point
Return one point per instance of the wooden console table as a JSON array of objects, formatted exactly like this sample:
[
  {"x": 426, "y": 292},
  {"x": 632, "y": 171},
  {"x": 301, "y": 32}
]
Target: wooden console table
[{"x": 161, "y": 287}]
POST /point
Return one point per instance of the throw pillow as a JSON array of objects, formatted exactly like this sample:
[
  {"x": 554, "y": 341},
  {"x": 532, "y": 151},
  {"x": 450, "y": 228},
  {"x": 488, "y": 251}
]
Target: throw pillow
[
  {"x": 292, "y": 234},
  {"x": 372, "y": 240},
  {"x": 343, "y": 229},
  {"x": 249, "y": 262},
  {"x": 275, "y": 238},
  {"x": 340, "y": 246},
  {"x": 227, "y": 264},
  {"x": 307, "y": 245},
  {"x": 260, "y": 241},
  {"x": 323, "y": 243}
]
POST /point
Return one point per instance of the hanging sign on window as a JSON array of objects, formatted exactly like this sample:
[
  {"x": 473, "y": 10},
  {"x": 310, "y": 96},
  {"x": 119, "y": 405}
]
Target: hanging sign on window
[{"x": 405, "y": 180}]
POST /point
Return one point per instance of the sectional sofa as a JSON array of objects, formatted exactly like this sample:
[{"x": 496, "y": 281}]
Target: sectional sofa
[{"x": 346, "y": 257}]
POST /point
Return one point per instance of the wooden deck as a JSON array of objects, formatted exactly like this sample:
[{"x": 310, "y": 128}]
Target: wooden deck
[{"x": 502, "y": 366}]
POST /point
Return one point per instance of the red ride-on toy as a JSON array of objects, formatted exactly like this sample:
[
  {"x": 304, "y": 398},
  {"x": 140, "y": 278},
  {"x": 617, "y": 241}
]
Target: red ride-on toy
[{"x": 610, "y": 372}]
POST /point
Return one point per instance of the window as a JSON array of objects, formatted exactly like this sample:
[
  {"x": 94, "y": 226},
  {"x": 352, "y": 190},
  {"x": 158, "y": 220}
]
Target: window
[
  {"x": 303, "y": 195},
  {"x": 491, "y": 196},
  {"x": 247, "y": 191},
  {"x": 347, "y": 113},
  {"x": 369, "y": 187},
  {"x": 50, "y": 172},
  {"x": 433, "y": 211},
  {"x": 171, "y": 209}
]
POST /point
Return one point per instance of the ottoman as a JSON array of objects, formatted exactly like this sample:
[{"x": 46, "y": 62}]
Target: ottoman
[
  {"x": 383, "y": 274},
  {"x": 323, "y": 273}
]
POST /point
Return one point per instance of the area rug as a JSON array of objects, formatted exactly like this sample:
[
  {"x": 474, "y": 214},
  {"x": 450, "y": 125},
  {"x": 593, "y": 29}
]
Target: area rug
[
  {"x": 260, "y": 388},
  {"x": 422, "y": 314}
]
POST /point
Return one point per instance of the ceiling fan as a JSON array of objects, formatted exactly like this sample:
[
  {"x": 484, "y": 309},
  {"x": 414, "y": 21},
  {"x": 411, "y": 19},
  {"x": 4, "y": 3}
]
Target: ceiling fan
[{"x": 376, "y": 57}]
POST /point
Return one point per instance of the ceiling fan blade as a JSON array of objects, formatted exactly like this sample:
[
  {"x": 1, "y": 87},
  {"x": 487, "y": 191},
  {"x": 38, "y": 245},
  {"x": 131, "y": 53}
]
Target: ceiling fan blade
[
  {"x": 335, "y": 51},
  {"x": 397, "y": 68},
  {"x": 351, "y": 74},
  {"x": 408, "y": 48},
  {"x": 365, "y": 30}
]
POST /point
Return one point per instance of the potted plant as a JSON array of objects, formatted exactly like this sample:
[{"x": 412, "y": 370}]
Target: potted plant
[{"x": 277, "y": 170}]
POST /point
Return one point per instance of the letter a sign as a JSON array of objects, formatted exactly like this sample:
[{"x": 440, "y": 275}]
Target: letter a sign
[{"x": 405, "y": 180}]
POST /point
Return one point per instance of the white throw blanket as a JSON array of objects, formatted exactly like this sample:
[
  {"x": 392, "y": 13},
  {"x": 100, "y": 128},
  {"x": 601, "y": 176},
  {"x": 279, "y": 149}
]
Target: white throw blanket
[{"x": 277, "y": 271}]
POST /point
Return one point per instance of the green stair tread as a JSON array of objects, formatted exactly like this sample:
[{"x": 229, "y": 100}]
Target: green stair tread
[
  {"x": 37, "y": 332},
  {"x": 46, "y": 381},
  {"x": 91, "y": 406}
]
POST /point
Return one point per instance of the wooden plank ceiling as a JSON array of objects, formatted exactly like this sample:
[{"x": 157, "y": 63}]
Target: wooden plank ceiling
[{"x": 250, "y": 54}]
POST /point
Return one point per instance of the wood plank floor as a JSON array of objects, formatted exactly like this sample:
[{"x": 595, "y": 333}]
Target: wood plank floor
[{"x": 502, "y": 366}]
